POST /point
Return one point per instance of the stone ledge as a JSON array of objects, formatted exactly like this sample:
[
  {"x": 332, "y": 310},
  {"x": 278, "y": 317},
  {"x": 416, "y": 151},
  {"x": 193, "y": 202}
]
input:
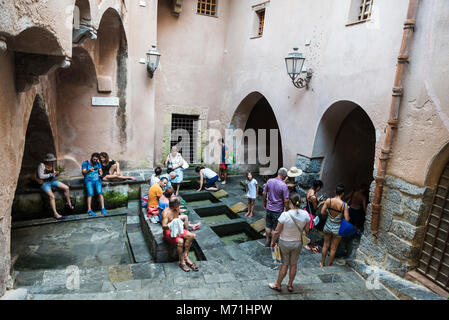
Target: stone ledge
[
  {"x": 75, "y": 217},
  {"x": 400, "y": 287}
]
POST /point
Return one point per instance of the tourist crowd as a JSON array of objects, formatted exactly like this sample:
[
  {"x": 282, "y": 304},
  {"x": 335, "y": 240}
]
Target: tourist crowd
[{"x": 287, "y": 226}]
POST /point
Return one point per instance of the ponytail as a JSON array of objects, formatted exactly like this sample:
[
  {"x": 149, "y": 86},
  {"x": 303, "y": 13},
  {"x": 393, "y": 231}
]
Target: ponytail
[{"x": 295, "y": 199}]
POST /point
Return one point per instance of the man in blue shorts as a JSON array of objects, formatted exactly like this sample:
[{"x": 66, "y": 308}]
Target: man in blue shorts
[{"x": 92, "y": 172}]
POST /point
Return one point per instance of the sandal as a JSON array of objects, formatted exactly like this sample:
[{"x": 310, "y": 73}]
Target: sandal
[
  {"x": 184, "y": 267},
  {"x": 273, "y": 286},
  {"x": 193, "y": 266},
  {"x": 290, "y": 289},
  {"x": 196, "y": 226}
]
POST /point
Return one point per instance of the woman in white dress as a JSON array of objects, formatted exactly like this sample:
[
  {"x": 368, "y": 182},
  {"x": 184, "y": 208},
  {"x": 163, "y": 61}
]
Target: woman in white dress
[{"x": 174, "y": 162}]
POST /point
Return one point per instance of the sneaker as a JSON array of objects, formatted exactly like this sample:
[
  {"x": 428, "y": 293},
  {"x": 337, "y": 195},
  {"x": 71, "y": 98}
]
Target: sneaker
[
  {"x": 103, "y": 211},
  {"x": 224, "y": 182},
  {"x": 91, "y": 213}
]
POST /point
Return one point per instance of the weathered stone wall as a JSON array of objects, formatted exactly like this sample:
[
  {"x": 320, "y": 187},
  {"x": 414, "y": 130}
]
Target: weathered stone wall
[
  {"x": 405, "y": 208},
  {"x": 311, "y": 168}
]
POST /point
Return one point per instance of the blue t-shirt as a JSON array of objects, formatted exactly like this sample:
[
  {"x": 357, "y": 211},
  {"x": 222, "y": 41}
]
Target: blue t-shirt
[
  {"x": 162, "y": 205},
  {"x": 94, "y": 175},
  {"x": 252, "y": 188},
  {"x": 223, "y": 154}
]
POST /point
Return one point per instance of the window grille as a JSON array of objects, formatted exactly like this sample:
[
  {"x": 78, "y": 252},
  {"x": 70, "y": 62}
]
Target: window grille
[
  {"x": 261, "y": 15},
  {"x": 186, "y": 145},
  {"x": 365, "y": 9},
  {"x": 434, "y": 258},
  {"x": 207, "y": 7}
]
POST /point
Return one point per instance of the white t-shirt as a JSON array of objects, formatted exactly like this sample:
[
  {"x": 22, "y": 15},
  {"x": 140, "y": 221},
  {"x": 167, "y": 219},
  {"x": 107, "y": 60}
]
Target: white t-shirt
[
  {"x": 208, "y": 173},
  {"x": 154, "y": 180},
  {"x": 290, "y": 231}
]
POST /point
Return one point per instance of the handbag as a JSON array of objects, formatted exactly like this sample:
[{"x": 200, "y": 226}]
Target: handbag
[
  {"x": 346, "y": 229},
  {"x": 185, "y": 164},
  {"x": 321, "y": 219}
]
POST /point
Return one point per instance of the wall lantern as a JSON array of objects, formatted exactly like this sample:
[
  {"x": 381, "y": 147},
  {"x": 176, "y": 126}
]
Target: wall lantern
[
  {"x": 153, "y": 57},
  {"x": 295, "y": 63}
]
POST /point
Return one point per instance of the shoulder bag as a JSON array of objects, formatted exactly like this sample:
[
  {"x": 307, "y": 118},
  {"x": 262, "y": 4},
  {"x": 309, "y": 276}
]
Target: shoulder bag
[{"x": 304, "y": 238}]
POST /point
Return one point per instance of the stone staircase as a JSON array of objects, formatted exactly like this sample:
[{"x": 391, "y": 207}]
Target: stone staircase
[{"x": 236, "y": 272}]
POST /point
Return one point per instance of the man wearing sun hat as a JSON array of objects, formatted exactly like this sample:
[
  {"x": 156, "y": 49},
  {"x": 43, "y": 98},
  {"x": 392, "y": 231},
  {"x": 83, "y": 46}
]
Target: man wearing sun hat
[{"x": 292, "y": 174}]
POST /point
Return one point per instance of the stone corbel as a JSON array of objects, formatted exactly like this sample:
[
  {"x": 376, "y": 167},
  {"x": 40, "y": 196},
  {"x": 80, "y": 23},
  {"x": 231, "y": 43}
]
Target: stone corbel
[
  {"x": 177, "y": 8},
  {"x": 84, "y": 32}
]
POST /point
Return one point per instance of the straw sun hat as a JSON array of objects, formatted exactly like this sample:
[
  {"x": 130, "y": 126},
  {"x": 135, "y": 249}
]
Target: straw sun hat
[{"x": 294, "y": 172}]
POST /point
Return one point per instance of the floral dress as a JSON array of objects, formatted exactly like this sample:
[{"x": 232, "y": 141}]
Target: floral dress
[{"x": 176, "y": 161}]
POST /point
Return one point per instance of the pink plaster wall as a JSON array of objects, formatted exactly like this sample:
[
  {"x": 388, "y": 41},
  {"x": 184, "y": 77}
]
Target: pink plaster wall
[{"x": 191, "y": 72}]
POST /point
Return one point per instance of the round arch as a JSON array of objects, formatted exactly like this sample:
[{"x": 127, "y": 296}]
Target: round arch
[
  {"x": 437, "y": 165},
  {"x": 39, "y": 140},
  {"x": 37, "y": 40},
  {"x": 84, "y": 9},
  {"x": 346, "y": 140},
  {"x": 255, "y": 113}
]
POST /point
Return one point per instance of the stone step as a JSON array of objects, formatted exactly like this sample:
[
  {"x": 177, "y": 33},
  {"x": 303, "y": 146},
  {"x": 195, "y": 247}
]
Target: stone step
[{"x": 75, "y": 217}]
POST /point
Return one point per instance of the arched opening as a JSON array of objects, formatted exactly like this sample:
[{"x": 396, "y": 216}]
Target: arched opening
[
  {"x": 255, "y": 114},
  {"x": 433, "y": 261},
  {"x": 111, "y": 50},
  {"x": 38, "y": 142},
  {"x": 346, "y": 139},
  {"x": 84, "y": 9},
  {"x": 112, "y": 53},
  {"x": 37, "y": 40}
]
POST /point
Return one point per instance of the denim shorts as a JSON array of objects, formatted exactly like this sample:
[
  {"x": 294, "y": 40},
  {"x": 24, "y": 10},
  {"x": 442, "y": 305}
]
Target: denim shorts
[
  {"x": 272, "y": 219},
  {"x": 91, "y": 184},
  {"x": 47, "y": 186},
  {"x": 211, "y": 182}
]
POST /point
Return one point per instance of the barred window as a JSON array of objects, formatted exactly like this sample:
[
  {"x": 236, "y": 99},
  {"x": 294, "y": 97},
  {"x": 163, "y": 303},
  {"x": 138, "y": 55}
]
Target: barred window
[
  {"x": 261, "y": 15},
  {"x": 207, "y": 7},
  {"x": 365, "y": 9}
]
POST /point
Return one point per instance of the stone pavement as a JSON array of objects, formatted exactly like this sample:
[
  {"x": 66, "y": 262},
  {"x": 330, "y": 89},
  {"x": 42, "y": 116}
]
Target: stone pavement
[
  {"x": 239, "y": 271},
  {"x": 90, "y": 242}
]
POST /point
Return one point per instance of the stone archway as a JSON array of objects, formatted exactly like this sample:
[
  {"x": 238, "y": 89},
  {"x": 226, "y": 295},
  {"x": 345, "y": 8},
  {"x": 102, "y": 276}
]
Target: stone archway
[
  {"x": 433, "y": 260},
  {"x": 39, "y": 141},
  {"x": 346, "y": 141},
  {"x": 255, "y": 114}
]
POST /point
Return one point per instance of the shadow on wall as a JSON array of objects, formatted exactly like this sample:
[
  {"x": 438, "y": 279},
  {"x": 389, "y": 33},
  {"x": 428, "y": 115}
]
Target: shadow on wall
[{"x": 346, "y": 139}]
